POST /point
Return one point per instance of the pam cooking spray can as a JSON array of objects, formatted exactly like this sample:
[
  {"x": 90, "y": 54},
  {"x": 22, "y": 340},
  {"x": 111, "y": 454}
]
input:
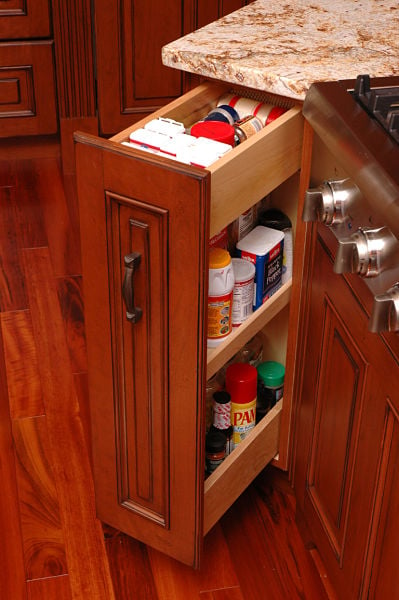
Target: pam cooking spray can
[{"x": 241, "y": 384}]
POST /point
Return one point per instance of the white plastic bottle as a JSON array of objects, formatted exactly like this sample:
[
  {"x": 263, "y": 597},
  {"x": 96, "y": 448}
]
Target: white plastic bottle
[{"x": 220, "y": 296}]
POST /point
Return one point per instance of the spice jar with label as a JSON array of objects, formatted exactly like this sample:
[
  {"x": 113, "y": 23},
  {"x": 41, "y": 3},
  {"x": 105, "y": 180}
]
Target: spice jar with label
[
  {"x": 215, "y": 450},
  {"x": 220, "y": 296}
]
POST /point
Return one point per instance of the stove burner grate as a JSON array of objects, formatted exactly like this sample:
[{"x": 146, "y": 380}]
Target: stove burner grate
[{"x": 381, "y": 103}]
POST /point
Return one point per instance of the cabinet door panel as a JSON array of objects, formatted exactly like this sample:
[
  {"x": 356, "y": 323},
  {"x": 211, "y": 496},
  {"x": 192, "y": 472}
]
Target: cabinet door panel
[
  {"x": 146, "y": 378},
  {"x": 342, "y": 376},
  {"x": 343, "y": 476},
  {"x": 382, "y": 575},
  {"x": 130, "y": 76},
  {"x": 27, "y": 89},
  {"x": 22, "y": 19},
  {"x": 140, "y": 355}
]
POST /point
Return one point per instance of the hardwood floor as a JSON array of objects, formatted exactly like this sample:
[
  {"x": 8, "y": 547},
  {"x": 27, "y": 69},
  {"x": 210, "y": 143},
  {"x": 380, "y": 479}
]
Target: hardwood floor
[{"x": 51, "y": 544}]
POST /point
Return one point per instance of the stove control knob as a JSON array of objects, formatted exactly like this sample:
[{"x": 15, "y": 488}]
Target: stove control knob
[
  {"x": 385, "y": 315},
  {"x": 329, "y": 202},
  {"x": 366, "y": 252}
]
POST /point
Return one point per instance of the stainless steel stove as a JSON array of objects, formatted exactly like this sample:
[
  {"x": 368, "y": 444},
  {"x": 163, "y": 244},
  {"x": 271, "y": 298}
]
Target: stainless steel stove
[{"x": 356, "y": 183}]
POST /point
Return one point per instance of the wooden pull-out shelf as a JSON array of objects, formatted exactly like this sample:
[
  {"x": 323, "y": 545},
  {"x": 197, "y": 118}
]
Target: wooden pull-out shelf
[
  {"x": 177, "y": 208},
  {"x": 238, "y": 469},
  {"x": 252, "y": 169}
]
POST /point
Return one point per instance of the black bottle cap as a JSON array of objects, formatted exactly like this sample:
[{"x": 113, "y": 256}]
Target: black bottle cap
[{"x": 222, "y": 397}]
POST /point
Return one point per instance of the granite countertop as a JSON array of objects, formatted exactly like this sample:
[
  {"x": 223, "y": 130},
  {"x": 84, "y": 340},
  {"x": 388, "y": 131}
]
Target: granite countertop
[{"x": 283, "y": 46}]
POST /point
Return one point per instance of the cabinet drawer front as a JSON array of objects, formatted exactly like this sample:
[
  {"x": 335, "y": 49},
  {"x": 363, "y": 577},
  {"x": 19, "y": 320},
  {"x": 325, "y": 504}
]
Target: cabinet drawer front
[
  {"x": 27, "y": 89},
  {"x": 22, "y": 19}
]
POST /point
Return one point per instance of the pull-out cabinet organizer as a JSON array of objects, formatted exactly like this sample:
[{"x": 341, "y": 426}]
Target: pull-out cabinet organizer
[{"x": 145, "y": 227}]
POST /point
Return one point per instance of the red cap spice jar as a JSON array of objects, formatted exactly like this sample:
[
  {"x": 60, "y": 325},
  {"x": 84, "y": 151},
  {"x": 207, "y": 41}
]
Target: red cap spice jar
[
  {"x": 214, "y": 130},
  {"x": 241, "y": 383}
]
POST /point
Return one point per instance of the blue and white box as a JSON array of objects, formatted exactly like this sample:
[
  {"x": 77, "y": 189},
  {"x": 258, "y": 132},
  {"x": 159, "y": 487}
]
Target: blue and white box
[{"x": 263, "y": 246}]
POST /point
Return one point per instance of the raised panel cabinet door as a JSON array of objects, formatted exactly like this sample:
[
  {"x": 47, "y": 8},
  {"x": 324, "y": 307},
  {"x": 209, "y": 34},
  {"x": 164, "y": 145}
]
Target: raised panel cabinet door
[
  {"x": 24, "y": 19},
  {"x": 131, "y": 80},
  {"x": 382, "y": 580},
  {"x": 27, "y": 89},
  {"x": 144, "y": 229},
  {"x": 348, "y": 381}
]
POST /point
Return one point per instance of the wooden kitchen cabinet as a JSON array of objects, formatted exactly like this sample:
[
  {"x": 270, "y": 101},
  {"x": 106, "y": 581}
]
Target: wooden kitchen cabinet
[
  {"x": 345, "y": 474},
  {"x": 147, "y": 377},
  {"x": 131, "y": 79},
  {"x": 27, "y": 78}
]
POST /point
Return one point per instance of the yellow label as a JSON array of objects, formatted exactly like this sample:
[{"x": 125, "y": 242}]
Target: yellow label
[
  {"x": 219, "y": 316},
  {"x": 243, "y": 417}
]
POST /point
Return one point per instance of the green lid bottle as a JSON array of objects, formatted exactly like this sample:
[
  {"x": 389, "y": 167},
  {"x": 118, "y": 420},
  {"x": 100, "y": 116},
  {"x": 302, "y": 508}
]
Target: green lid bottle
[{"x": 270, "y": 386}]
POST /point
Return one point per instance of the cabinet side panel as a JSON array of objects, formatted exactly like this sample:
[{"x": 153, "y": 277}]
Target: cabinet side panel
[
  {"x": 146, "y": 379},
  {"x": 140, "y": 355}
]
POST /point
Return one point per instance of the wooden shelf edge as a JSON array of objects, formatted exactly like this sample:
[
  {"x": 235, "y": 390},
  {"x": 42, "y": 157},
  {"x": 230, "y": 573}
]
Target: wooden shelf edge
[
  {"x": 217, "y": 357},
  {"x": 239, "y": 469}
]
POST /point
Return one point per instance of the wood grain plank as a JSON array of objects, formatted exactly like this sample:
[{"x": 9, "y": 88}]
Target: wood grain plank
[
  {"x": 249, "y": 550},
  {"x": 293, "y": 564},
  {"x": 30, "y": 228},
  {"x": 283, "y": 568},
  {"x": 63, "y": 239},
  {"x": 224, "y": 594},
  {"x": 70, "y": 295},
  {"x": 21, "y": 361},
  {"x": 82, "y": 391},
  {"x": 42, "y": 536},
  {"x": 84, "y": 543},
  {"x": 12, "y": 284},
  {"x": 50, "y": 588},
  {"x": 7, "y": 171},
  {"x": 11, "y": 553},
  {"x": 173, "y": 580},
  {"x": 130, "y": 566}
]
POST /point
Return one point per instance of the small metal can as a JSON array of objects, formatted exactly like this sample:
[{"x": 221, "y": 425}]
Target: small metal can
[{"x": 246, "y": 127}]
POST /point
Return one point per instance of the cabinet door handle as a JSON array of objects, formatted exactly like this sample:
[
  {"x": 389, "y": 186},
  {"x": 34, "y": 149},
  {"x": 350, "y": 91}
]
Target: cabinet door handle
[{"x": 132, "y": 262}]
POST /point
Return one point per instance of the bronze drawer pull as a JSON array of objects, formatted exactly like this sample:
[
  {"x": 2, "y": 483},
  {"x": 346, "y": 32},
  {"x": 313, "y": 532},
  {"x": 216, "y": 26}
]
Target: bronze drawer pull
[{"x": 132, "y": 263}]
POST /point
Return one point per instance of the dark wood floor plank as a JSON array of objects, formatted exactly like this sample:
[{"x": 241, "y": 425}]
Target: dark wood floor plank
[
  {"x": 86, "y": 557},
  {"x": 130, "y": 567},
  {"x": 176, "y": 581},
  {"x": 71, "y": 197},
  {"x": 82, "y": 391},
  {"x": 61, "y": 233},
  {"x": 42, "y": 536},
  {"x": 226, "y": 594},
  {"x": 293, "y": 563},
  {"x": 12, "y": 573},
  {"x": 70, "y": 295},
  {"x": 51, "y": 588},
  {"x": 284, "y": 568},
  {"x": 30, "y": 227},
  {"x": 12, "y": 284},
  {"x": 249, "y": 550},
  {"x": 25, "y": 393},
  {"x": 7, "y": 171}
]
